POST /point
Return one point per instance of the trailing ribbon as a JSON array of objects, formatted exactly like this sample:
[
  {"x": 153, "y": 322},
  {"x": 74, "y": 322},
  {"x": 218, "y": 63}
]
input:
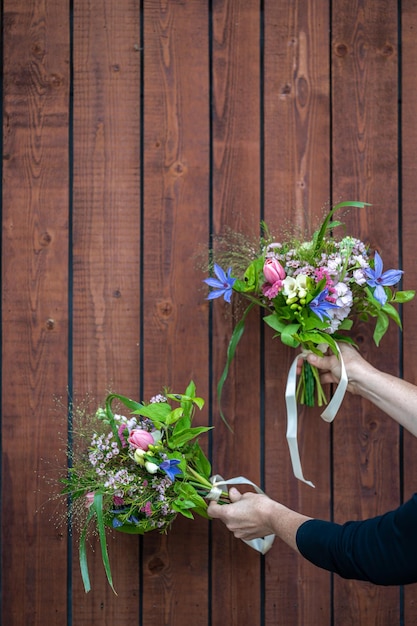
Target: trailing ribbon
[
  {"x": 261, "y": 544},
  {"x": 328, "y": 414}
]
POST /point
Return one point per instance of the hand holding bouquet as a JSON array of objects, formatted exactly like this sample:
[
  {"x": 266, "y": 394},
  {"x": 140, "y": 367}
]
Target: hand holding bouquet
[{"x": 310, "y": 293}]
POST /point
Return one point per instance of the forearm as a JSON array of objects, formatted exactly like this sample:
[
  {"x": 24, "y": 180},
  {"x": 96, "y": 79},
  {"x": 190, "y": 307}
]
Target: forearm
[
  {"x": 396, "y": 397},
  {"x": 283, "y": 522}
]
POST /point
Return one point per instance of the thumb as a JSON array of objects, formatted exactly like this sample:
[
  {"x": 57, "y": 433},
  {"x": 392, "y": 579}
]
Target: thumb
[
  {"x": 234, "y": 494},
  {"x": 322, "y": 362},
  {"x": 214, "y": 509}
]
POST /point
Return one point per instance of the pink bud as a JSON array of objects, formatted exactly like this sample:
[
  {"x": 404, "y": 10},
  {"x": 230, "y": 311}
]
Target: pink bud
[
  {"x": 89, "y": 499},
  {"x": 273, "y": 271},
  {"x": 139, "y": 438}
]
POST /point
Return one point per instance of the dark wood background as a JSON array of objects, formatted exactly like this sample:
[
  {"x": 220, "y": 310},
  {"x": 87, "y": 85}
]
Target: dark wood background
[{"x": 133, "y": 130}]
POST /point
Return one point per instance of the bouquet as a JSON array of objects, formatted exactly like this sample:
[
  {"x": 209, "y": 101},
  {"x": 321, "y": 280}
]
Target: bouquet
[
  {"x": 139, "y": 472},
  {"x": 310, "y": 293}
]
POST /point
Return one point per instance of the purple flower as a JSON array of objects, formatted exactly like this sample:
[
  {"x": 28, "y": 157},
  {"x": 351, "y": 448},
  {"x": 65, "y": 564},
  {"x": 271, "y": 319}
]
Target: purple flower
[
  {"x": 223, "y": 284},
  {"x": 170, "y": 468},
  {"x": 379, "y": 280},
  {"x": 320, "y": 306}
]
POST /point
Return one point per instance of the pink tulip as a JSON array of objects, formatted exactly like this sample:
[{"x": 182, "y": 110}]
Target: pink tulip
[
  {"x": 139, "y": 438},
  {"x": 273, "y": 271}
]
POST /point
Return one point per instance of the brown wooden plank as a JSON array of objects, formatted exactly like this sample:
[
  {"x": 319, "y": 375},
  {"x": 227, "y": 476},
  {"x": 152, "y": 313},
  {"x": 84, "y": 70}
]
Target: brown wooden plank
[
  {"x": 365, "y": 126},
  {"x": 175, "y": 346},
  {"x": 106, "y": 237},
  {"x": 297, "y": 190},
  {"x": 236, "y": 204},
  {"x": 409, "y": 236},
  {"x": 34, "y": 313}
]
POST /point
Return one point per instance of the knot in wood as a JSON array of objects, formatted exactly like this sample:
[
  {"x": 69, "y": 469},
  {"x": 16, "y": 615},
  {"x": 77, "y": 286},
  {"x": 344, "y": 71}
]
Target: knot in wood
[
  {"x": 45, "y": 239},
  {"x": 285, "y": 90},
  {"x": 178, "y": 169},
  {"x": 156, "y": 565},
  {"x": 341, "y": 49},
  {"x": 165, "y": 309},
  {"x": 388, "y": 50},
  {"x": 55, "y": 80}
]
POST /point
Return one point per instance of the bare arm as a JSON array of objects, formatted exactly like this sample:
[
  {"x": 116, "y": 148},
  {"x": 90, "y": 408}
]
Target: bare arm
[{"x": 396, "y": 397}]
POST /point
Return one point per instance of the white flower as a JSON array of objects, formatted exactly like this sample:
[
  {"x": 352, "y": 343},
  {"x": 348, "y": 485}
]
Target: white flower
[
  {"x": 359, "y": 277},
  {"x": 152, "y": 468},
  {"x": 295, "y": 287}
]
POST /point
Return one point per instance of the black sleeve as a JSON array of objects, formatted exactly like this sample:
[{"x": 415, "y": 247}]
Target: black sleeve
[{"x": 382, "y": 550}]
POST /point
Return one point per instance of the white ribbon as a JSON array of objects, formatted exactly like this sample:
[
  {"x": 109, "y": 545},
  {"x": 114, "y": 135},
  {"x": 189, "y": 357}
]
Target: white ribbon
[
  {"x": 261, "y": 544},
  {"x": 328, "y": 414}
]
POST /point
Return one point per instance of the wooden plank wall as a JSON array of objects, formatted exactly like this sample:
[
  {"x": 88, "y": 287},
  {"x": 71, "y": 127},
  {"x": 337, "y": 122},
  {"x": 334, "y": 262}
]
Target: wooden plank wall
[{"x": 133, "y": 131}]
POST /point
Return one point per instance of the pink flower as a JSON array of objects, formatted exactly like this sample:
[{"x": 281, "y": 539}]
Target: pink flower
[
  {"x": 139, "y": 438},
  {"x": 274, "y": 274},
  {"x": 147, "y": 509},
  {"x": 121, "y": 432},
  {"x": 273, "y": 271},
  {"x": 89, "y": 499},
  {"x": 118, "y": 501}
]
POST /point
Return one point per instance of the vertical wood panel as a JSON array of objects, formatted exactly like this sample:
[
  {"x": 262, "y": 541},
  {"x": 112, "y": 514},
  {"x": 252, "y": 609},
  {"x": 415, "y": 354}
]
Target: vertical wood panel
[
  {"x": 199, "y": 573},
  {"x": 297, "y": 188},
  {"x": 409, "y": 236},
  {"x": 236, "y": 204},
  {"x": 34, "y": 307},
  {"x": 106, "y": 237},
  {"x": 175, "y": 346},
  {"x": 365, "y": 127}
]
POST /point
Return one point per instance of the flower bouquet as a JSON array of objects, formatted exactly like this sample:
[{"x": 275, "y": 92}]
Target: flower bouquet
[
  {"x": 139, "y": 472},
  {"x": 311, "y": 292}
]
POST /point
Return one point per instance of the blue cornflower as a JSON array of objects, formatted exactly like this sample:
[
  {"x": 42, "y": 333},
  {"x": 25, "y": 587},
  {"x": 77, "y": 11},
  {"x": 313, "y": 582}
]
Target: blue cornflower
[
  {"x": 320, "y": 306},
  {"x": 170, "y": 468},
  {"x": 223, "y": 284},
  {"x": 380, "y": 280},
  {"x": 116, "y": 523}
]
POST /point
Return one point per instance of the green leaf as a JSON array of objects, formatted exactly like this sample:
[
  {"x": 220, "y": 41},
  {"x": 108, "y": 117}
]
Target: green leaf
[
  {"x": 381, "y": 327},
  {"x": 82, "y": 551},
  {"x": 275, "y": 323},
  {"x": 287, "y": 335},
  {"x": 174, "y": 416},
  {"x": 393, "y": 313},
  {"x": 130, "y": 404},
  {"x": 177, "y": 440},
  {"x": 403, "y": 296},
  {"x": 190, "y": 391},
  {"x": 238, "y": 331},
  {"x": 156, "y": 411},
  {"x": 345, "y": 324},
  {"x": 201, "y": 462},
  {"x": 319, "y": 235}
]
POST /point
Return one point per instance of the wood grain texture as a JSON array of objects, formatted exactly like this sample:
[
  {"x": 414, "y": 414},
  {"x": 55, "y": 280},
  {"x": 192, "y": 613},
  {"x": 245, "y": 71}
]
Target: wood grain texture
[
  {"x": 250, "y": 109},
  {"x": 364, "y": 146},
  {"x": 34, "y": 310},
  {"x": 236, "y": 205},
  {"x": 106, "y": 252},
  {"x": 297, "y": 190},
  {"x": 408, "y": 236},
  {"x": 175, "y": 337}
]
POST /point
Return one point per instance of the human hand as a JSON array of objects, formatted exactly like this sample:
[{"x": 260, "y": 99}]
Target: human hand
[
  {"x": 247, "y": 516},
  {"x": 330, "y": 369}
]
